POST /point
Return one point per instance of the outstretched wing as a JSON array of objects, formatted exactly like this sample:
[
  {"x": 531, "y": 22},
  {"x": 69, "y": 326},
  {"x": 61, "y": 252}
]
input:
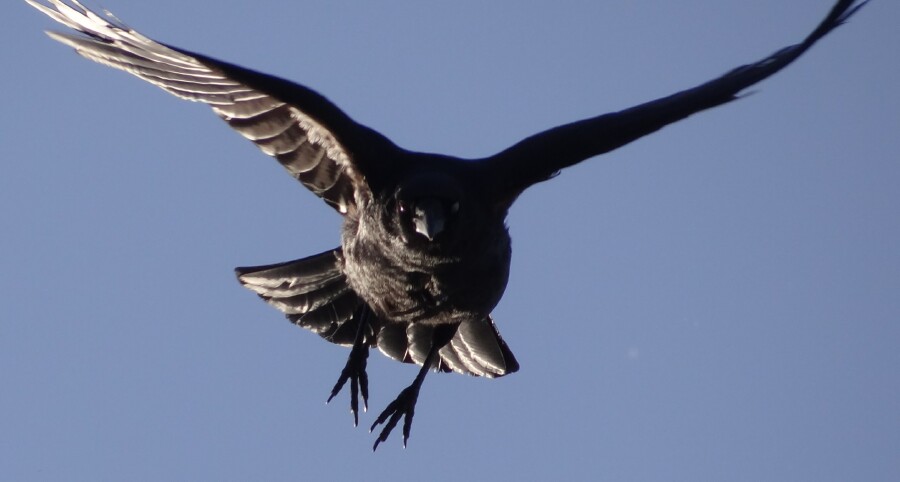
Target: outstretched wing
[
  {"x": 313, "y": 139},
  {"x": 312, "y": 293},
  {"x": 541, "y": 156}
]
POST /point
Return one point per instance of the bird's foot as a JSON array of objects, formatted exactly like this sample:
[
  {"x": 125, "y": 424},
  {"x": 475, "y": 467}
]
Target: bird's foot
[
  {"x": 404, "y": 405},
  {"x": 355, "y": 371}
]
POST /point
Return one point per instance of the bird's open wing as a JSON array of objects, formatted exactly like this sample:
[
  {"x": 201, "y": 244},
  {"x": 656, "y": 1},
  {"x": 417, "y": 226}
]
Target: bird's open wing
[
  {"x": 541, "y": 156},
  {"x": 313, "y": 139},
  {"x": 312, "y": 293}
]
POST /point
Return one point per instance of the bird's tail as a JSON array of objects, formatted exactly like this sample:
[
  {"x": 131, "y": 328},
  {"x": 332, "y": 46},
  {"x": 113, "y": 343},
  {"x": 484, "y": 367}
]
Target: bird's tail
[
  {"x": 312, "y": 292},
  {"x": 478, "y": 348},
  {"x": 475, "y": 349}
]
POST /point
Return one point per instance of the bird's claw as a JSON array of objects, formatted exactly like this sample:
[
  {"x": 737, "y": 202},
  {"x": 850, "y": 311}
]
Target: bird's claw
[
  {"x": 404, "y": 405},
  {"x": 355, "y": 371}
]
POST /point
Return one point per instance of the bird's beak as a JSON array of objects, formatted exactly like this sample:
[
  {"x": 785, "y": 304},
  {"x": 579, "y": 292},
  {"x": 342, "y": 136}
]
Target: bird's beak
[{"x": 429, "y": 218}]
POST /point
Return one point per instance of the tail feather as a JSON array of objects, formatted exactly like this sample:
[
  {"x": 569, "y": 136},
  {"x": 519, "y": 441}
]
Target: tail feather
[
  {"x": 476, "y": 349},
  {"x": 481, "y": 349}
]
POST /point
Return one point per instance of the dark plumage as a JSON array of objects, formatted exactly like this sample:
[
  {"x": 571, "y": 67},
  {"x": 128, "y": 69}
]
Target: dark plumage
[{"x": 425, "y": 253}]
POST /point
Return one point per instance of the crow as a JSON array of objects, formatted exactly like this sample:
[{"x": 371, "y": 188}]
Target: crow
[{"x": 425, "y": 252}]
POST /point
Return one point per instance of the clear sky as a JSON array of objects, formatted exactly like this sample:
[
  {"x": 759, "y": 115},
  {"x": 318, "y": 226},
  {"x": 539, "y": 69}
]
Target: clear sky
[{"x": 718, "y": 301}]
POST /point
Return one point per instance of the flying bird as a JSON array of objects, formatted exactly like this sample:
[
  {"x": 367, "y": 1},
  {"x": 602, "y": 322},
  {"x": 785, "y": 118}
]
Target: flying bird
[{"x": 424, "y": 254}]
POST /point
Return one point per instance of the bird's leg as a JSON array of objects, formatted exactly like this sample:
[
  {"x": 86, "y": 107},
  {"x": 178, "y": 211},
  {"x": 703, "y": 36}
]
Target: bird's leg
[
  {"x": 405, "y": 403},
  {"x": 355, "y": 369}
]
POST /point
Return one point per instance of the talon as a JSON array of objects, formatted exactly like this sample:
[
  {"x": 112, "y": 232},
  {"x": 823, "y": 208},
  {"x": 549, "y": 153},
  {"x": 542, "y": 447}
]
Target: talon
[
  {"x": 402, "y": 406},
  {"x": 355, "y": 372},
  {"x": 405, "y": 403}
]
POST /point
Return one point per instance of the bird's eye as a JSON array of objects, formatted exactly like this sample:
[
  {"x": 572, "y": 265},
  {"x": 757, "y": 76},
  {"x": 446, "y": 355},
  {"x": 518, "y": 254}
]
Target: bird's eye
[{"x": 402, "y": 206}]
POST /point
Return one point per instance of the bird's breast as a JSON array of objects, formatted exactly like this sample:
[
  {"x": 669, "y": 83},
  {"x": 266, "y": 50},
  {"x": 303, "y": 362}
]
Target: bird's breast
[{"x": 402, "y": 284}]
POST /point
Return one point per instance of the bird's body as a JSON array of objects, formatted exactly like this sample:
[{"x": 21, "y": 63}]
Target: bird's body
[
  {"x": 425, "y": 253},
  {"x": 407, "y": 278},
  {"x": 406, "y": 286}
]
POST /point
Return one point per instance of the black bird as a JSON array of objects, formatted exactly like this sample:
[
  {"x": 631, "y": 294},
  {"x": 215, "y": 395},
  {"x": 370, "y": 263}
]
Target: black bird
[{"x": 425, "y": 251}]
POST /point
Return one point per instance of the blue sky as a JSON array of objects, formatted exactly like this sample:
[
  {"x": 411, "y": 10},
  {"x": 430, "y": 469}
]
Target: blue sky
[{"x": 718, "y": 301}]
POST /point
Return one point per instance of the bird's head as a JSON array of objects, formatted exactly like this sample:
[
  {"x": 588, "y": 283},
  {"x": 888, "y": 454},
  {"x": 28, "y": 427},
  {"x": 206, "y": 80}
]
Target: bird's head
[{"x": 427, "y": 209}]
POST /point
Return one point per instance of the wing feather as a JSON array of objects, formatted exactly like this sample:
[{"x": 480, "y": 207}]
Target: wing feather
[
  {"x": 314, "y": 140},
  {"x": 312, "y": 292},
  {"x": 541, "y": 156}
]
